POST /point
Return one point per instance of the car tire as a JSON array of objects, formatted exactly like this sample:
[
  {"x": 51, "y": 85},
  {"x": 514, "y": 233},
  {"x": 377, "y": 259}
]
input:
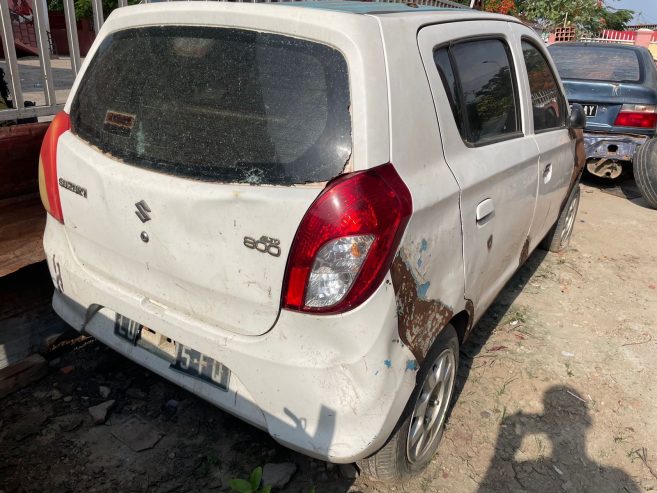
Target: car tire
[
  {"x": 425, "y": 412},
  {"x": 645, "y": 171},
  {"x": 558, "y": 238}
]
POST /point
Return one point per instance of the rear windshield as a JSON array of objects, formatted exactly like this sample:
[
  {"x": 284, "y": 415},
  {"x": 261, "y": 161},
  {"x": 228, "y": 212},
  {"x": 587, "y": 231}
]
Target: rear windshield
[
  {"x": 596, "y": 63},
  {"x": 218, "y": 104}
]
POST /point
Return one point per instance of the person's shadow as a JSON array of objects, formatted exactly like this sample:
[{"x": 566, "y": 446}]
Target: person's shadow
[{"x": 558, "y": 463}]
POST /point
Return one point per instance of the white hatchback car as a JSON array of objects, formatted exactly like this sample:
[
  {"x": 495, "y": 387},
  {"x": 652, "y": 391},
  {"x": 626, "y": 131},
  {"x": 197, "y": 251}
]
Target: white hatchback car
[{"x": 299, "y": 211}]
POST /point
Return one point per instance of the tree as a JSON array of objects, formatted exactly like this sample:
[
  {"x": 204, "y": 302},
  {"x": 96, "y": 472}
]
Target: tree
[
  {"x": 617, "y": 19},
  {"x": 507, "y": 7},
  {"x": 583, "y": 14},
  {"x": 586, "y": 15}
]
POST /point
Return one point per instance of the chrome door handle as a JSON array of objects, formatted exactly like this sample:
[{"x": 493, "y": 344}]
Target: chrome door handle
[{"x": 485, "y": 210}]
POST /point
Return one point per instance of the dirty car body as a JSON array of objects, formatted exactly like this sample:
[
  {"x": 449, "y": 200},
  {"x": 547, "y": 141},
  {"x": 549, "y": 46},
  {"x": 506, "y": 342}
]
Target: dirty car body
[
  {"x": 289, "y": 237},
  {"x": 617, "y": 86}
]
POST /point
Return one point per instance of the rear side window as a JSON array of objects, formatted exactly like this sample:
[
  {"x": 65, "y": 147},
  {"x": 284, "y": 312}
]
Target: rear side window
[
  {"x": 479, "y": 77},
  {"x": 218, "y": 104},
  {"x": 606, "y": 63},
  {"x": 441, "y": 58},
  {"x": 548, "y": 104}
]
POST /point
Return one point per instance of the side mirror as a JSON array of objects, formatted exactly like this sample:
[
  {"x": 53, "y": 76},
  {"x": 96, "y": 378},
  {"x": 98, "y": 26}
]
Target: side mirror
[{"x": 577, "y": 117}]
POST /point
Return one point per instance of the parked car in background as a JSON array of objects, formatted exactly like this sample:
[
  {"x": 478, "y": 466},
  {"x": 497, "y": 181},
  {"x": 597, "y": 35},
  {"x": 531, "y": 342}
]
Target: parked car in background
[
  {"x": 617, "y": 87},
  {"x": 299, "y": 211}
]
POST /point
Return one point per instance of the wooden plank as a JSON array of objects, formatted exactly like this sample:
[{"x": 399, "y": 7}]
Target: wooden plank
[
  {"x": 22, "y": 221},
  {"x": 19, "y": 148},
  {"x": 21, "y": 374}
]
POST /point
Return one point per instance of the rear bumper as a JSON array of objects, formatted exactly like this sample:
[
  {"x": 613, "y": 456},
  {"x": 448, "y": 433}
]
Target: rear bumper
[
  {"x": 332, "y": 387},
  {"x": 612, "y": 146}
]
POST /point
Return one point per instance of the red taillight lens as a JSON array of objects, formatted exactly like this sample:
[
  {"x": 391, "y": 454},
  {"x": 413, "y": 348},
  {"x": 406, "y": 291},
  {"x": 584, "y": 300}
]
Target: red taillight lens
[
  {"x": 638, "y": 116},
  {"x": 48, "y": 186},
  {"x": 358, "y": 220}
]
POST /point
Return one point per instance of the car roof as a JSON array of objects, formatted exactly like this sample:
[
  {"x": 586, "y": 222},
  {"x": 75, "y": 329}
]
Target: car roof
[
  {"x": 319, "y": 11},
  {"x": 597, "y": 45},
  {"x": 372, "y": 8}
]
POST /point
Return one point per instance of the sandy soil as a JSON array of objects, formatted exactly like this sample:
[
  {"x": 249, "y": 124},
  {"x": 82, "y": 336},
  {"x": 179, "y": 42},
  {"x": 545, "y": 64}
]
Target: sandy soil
[{"x": 555, "y": 393}]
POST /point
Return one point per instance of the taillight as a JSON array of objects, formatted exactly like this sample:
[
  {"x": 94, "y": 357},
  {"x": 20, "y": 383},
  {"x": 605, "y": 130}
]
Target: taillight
[
  {"x": 48, "y": 186},
  {"x": 346, "y": 241},
  {"x": 637, "y": 115}
]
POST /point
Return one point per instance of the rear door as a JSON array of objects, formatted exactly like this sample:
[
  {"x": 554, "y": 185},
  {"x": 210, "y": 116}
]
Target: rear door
[
  {"x": 200, "y": 149},
  {"x": 474, "y": 81},
  {"x": 548, "y": 124}
]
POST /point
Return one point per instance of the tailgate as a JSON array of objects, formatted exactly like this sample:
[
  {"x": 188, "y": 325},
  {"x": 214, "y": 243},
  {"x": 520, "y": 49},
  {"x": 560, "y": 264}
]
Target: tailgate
[
  {"x": 200, "y": 150},
  {"x": 195, "y": 260}
]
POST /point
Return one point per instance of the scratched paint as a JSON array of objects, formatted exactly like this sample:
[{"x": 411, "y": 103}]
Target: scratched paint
[
  {"x": 422, "y": 290},
  {"x": 419, "y": 320}
]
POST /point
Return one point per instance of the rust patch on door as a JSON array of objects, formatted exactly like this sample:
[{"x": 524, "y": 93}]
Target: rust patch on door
[
  {"x": 469, "y": 308},
  {"x": 420, "y": 320},
  {"x": 524, "y": 254},
  {"x": 579, "y": 162}
]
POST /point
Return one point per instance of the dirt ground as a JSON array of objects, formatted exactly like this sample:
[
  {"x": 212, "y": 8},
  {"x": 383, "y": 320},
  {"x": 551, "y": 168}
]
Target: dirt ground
[{"x": 556, "y": 392}]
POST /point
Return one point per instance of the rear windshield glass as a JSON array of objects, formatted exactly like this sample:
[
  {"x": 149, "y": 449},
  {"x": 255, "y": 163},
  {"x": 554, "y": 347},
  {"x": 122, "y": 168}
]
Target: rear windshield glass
[
  {"x": 218, "y": 104},
  {"x": 596, "y": 63}
]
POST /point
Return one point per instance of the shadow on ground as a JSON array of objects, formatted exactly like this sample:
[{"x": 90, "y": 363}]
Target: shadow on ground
[{"x": 559, "y": 433}]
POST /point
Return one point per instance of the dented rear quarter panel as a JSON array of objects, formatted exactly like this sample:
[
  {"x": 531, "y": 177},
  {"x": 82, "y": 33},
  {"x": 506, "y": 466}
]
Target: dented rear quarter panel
[{"x": 427, "y": 273}]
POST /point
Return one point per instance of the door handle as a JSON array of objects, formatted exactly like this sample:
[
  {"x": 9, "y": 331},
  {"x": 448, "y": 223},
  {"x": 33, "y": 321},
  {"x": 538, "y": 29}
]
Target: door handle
[
  {"x": 485, "y": 210},
  {"x": 547, "y": 173}
]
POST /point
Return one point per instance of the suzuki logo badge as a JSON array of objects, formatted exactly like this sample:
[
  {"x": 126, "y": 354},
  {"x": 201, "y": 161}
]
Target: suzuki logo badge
[{"x": 142, "y": 211}]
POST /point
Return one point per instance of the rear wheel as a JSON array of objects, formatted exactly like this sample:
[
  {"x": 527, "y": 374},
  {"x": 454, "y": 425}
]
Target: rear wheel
[
  {"x": 558, "y": 238},
  {"x": 645, "y": 171},
  {"x": 416, "y": 437}
]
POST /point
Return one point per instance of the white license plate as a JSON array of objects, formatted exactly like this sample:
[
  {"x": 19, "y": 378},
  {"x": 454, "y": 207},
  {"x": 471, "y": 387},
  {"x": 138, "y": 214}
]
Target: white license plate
[
  {"x": 196, "y": 364},
  {"x": 182, "y": 358}
]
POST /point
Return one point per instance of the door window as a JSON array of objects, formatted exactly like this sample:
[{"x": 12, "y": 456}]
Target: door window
[
  {"x": 548, "y": 104},
  {"x": 478, "y": 77}
]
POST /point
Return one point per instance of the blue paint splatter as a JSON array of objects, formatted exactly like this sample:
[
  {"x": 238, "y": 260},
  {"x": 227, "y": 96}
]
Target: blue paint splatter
[
  {"x": 422, "y": 290},
  {"x": 423, "y": 245},
  {"x": 419, "y": 263},
  {"x": 411, "y": 365},
  {"x": 388, "y": 363}
]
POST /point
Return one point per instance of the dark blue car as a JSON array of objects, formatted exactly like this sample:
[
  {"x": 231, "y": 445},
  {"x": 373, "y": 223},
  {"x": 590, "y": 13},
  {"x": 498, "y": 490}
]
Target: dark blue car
[{"x": 617, "y": 87}]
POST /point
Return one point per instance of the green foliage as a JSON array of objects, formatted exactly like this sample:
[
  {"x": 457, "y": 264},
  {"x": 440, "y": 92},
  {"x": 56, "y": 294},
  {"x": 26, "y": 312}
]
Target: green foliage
[
  {"x": 252, "y": 485},
  {"x": 84, "y": 9},
  {"x": 585, "y": 15},
  {"x": 617, "y": 19}
]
